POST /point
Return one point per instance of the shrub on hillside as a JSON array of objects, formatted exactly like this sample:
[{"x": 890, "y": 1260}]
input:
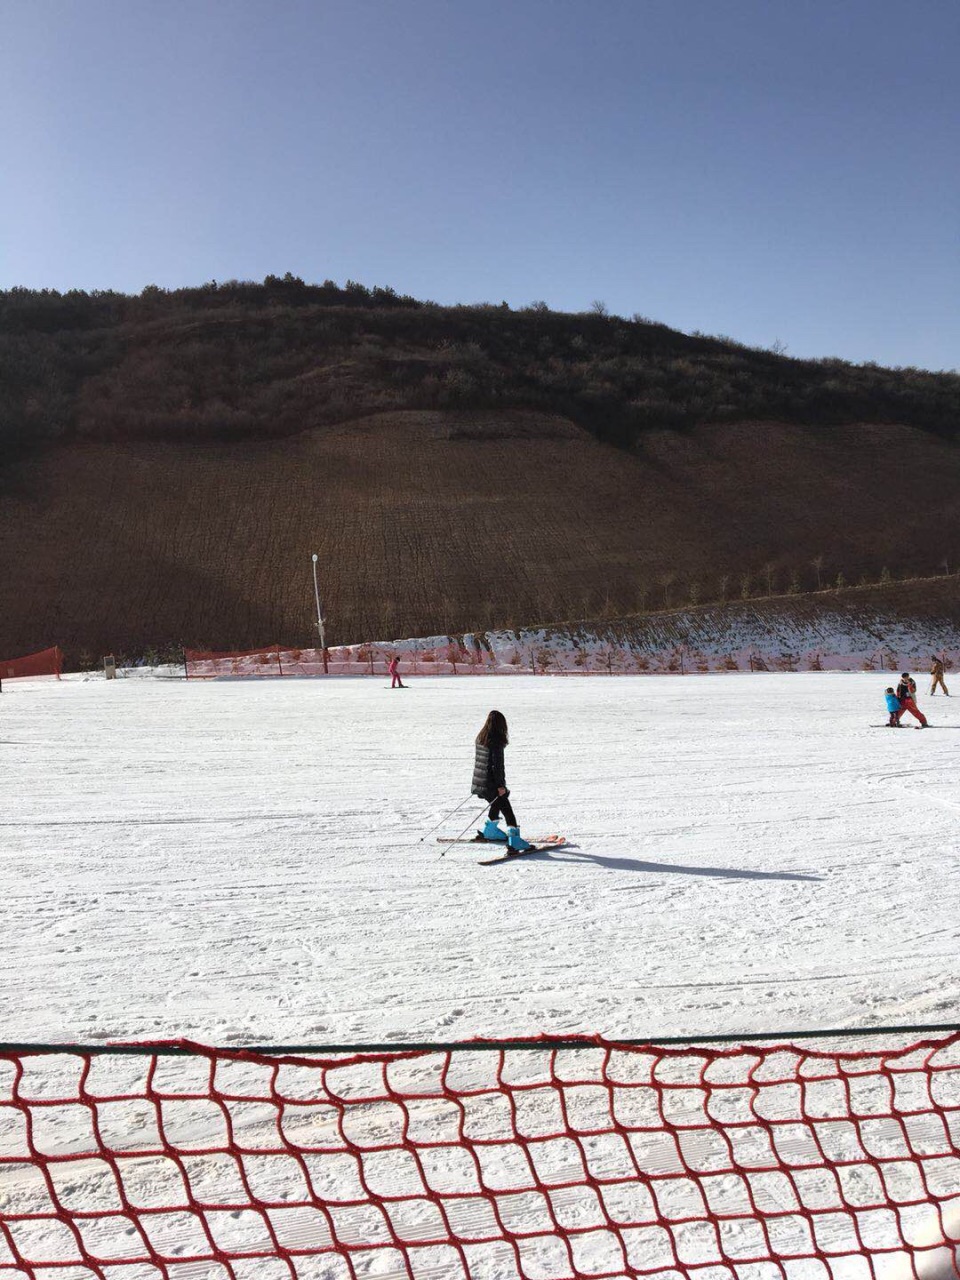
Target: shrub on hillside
[{"x": 242, "y": 358}]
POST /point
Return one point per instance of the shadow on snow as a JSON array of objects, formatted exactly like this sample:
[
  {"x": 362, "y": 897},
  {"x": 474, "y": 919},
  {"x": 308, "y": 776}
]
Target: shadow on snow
[{"x": 639, "y": 864}]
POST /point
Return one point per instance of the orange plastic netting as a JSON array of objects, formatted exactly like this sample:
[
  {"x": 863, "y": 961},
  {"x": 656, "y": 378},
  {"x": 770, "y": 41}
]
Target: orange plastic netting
[
  {"x": 530, "y": 659},
  {"x": 48, "y": 662},
  {"x": 813, "y": 1159},
  {"x": 364, "y": 661},
  {"x": 373, "y": 660},
  {"x": 203, "y": 663}
]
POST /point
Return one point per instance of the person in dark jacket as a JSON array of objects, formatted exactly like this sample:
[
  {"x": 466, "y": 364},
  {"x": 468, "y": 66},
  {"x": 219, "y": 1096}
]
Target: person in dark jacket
[{"x": 490, "y": 782}]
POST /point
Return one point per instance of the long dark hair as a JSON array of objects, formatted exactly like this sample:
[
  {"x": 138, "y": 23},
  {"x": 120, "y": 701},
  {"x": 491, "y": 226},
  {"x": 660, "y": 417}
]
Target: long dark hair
[{"x": 494, "y": 730}]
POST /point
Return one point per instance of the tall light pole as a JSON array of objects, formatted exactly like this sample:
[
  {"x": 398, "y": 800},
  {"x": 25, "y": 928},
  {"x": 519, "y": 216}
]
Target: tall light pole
[{"x": 320, "y": 619}]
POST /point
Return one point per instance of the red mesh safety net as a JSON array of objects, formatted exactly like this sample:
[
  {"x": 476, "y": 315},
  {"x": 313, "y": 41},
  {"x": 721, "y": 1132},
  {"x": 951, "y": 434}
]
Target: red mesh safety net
[
  {"x": 202, "y": 664},
  {"x": 364, "y": 660},
  {"x": 48, "y": 662},
  {"x": 821, "y": 1159},
  {"x": 374, "y": 660},
  {"x": 526, "y": 659}
]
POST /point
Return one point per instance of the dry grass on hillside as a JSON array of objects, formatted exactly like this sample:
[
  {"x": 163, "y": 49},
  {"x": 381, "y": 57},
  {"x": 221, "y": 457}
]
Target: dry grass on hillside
[
  {"x": 434, "y": 522},
  {"x": 853, "y": 619}
]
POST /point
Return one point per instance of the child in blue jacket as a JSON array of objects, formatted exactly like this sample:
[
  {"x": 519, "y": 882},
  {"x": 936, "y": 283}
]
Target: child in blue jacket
[{"x": 895, "y": 708}]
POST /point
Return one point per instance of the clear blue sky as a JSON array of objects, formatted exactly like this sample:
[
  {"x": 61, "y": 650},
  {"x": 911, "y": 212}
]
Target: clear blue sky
[{"x": 766, "y": 169}]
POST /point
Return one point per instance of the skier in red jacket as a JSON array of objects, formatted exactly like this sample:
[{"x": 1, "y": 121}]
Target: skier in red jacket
[
  {"x": 394, "y": 669},
  {"x": 906, "y": 692}
]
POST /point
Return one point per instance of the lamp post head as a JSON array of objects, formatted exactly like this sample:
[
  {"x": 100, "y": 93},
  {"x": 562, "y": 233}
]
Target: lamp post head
[{"x": 314, "y": 557}]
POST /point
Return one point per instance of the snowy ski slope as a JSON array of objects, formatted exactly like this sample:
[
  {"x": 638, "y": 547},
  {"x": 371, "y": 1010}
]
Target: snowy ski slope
[{"x": 239, "y": 861}]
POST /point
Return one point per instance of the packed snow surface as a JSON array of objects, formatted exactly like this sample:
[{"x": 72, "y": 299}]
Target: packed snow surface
[{"x": 241, "y": 861}]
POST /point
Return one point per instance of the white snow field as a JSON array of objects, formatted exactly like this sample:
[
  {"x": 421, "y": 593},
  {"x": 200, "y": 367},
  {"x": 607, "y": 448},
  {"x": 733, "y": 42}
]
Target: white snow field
[{"x": 240, "y": 862}]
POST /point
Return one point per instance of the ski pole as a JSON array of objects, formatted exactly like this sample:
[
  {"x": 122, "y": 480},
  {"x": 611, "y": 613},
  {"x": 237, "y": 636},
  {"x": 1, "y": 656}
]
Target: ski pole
[
  {"x": 445, "y": 818},
  {"x": 475, "y": 818}
]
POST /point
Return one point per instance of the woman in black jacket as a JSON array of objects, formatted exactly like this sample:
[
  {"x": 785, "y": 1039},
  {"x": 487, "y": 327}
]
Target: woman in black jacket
[{"x": 490, "y": 782}]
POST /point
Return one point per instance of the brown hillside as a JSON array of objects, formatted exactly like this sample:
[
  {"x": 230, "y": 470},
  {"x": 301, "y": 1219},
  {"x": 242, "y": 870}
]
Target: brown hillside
[{"x": 436, "y": 521}]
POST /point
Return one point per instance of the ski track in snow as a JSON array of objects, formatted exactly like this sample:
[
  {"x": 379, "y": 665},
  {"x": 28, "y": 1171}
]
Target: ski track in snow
[{"x": 240, "y": 862}]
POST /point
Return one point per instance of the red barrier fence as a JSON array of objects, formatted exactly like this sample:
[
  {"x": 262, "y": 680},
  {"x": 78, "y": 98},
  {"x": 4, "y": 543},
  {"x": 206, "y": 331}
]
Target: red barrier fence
[
  {"x": 544, "y": 659},
  {"x": 48, "y": 662},
  {"x": 202, "y": 664},
  {"x": 835, "y": 1159},
  {"x": 364, "y": 660}
]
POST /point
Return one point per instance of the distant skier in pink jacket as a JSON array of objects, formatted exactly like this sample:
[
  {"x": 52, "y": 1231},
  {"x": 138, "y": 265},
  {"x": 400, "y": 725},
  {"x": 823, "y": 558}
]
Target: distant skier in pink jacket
[{"x": 394, "y": 669}]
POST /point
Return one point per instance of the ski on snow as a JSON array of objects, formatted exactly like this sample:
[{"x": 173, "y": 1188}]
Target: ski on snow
[
  {"x": 539, "y": 845},
  {"x": 556, "y": 842},
  {"x": 906, "y": 726},
  {"x": 479, "y": 839}
]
